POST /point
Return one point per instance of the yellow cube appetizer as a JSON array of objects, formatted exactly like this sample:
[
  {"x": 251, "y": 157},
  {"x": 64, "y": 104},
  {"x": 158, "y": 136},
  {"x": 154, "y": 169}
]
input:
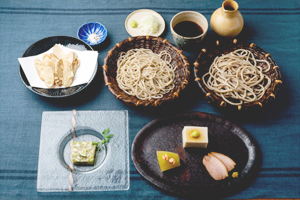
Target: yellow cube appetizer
[
  {"x": 167, "y": 160},
  {"x": 83, "y": 153},
  {"x": 195, "y": 136}
]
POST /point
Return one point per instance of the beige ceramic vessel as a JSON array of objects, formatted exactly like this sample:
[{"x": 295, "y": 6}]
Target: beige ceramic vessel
[{"x": 227, "y": 21}]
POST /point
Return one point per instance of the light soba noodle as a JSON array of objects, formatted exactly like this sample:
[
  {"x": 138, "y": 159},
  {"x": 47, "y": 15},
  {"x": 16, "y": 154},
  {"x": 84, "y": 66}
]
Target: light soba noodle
[
  {"x": 144, "y": 74},
  {"x": 237, "y": 78}
]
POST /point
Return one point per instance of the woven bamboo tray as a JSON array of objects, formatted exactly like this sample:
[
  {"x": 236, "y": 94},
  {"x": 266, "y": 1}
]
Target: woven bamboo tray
[
  {"x": 207, "y": 56},
  {"x": 156, "y": 44}
]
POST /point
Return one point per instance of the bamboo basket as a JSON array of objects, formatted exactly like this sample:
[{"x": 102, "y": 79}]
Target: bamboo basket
[
  {"x": 206, "y": 58},
  {"x": 156, "y": 44}
]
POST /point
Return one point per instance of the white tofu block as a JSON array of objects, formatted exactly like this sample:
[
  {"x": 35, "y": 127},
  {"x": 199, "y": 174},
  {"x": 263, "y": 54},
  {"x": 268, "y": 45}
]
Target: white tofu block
[{"x": 189, "y": 141}]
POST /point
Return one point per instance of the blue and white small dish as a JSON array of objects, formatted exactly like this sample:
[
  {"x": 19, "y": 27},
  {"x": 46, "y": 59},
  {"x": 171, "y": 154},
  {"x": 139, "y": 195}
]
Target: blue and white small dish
[{"x": 92, "y": 33}]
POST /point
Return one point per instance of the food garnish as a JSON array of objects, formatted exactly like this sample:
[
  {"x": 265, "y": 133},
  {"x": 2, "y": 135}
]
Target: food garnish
[
  {"x": 133, "y": 24},
  {"x": 167, "y": 160},
  {"x": 235, "y": 175},
  {"x": 195, "y": 134},
  {"x": 149, "y": 24},
  {"x": 93, "y": 38},
  {"x": 106, "y": 138},
  {"x": 83, "y": 153},
  {"x": 165, "y": 157},
  {"x": 172, "y": 161}
]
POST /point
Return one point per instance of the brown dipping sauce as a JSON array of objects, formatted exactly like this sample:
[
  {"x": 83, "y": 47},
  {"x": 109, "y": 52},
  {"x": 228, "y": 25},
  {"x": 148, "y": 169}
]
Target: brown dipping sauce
[
  {"x": 229, "y": 8},
  {"x": 188, "y": 29}
]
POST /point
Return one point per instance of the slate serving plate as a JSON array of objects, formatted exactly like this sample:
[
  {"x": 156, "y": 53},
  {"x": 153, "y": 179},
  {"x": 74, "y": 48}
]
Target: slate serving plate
[
  {"x": 44, "y": 45},
  {"x": 191, "y": 178}
]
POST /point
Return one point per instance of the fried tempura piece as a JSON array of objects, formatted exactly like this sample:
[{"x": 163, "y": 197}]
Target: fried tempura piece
[
  {"x": 58, "y": 52},
  {"x": 67, "y": 75},
  {"x": 49, "y": 76},
  {"x": 40, "y": 68},
  {"x": 57, "y": 68}
]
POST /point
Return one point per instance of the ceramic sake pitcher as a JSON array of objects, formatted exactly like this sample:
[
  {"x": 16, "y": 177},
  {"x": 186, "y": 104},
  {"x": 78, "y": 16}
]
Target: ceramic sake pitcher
[{"x": 227, "y": 21}]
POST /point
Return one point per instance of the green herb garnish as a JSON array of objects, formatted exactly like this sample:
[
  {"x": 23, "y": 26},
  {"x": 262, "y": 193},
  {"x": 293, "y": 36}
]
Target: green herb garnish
[{"x": 106, "y": 138}]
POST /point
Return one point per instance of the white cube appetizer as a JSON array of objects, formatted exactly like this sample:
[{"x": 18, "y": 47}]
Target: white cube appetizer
[{"x": 195, "y": 136}]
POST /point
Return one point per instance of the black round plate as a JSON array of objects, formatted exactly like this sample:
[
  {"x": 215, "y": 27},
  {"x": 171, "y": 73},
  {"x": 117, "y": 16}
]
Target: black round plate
[
  {"x": 191, "y": 179},
  {"x": 44, "y": 45}
]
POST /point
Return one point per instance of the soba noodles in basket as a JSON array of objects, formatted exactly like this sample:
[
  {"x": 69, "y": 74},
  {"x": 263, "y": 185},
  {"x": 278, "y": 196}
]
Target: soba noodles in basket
[
  {"x": 144, "y": 74},
  {"x": 237, "y": 77}
]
